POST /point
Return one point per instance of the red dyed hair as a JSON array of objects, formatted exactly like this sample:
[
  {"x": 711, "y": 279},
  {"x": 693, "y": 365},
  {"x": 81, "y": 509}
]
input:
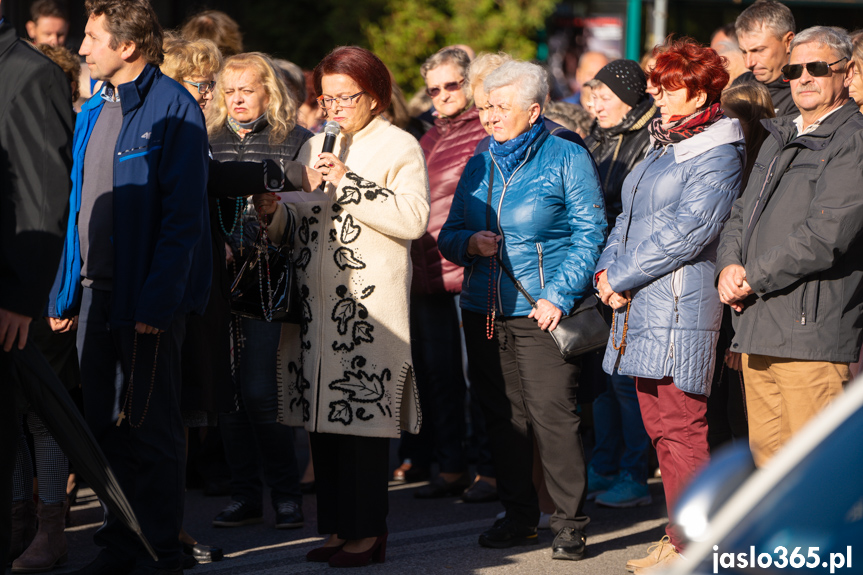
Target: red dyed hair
[
  {"x": 363, "y": 67},
  {"x": 685, "y": 63}
]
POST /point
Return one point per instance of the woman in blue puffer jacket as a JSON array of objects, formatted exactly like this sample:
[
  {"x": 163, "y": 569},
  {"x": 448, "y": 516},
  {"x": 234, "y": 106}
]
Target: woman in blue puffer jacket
[
  {"x": 535, "y": 201},
  {"x": 657, "y": 269}
]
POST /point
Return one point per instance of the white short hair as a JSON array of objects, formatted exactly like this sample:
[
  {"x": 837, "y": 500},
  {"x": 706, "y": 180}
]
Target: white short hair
[{"x": 530, "y": 80}]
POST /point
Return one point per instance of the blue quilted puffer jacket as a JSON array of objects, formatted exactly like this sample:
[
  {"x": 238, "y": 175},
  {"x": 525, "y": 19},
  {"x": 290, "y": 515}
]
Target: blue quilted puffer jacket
[
  {"x": 663, "y": 249},
  {"x": 551, "y": 216}
]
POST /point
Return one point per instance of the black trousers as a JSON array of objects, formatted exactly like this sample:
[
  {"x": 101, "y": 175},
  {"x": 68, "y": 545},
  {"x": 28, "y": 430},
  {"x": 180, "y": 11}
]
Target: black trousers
[
  {"x": 148, "y": 460},
  {"x": 351, "y": 475},
  {"x": 8, "y": 441},
  {"x": 526, "y": 390}
]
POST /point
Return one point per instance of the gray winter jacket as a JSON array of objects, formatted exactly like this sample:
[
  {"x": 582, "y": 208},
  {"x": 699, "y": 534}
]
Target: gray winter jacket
[
  {"x": 663, "y": 248},
  {"x": 797, "y": 232}
]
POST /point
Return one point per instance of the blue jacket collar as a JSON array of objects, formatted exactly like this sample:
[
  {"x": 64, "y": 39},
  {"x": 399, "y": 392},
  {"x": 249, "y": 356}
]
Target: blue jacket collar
[{"x": 132, "y": 93}]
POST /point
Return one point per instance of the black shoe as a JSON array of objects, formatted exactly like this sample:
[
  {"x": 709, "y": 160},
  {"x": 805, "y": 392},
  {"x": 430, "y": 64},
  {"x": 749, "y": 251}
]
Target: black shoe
[
  {"x": 289, "y": 515},
  {"x": 480, "y": 492},
  {"x": 568, "y": 544},
  {"x": 106, "y": 564},
  {"x": 202, "y": 553},
  {"x": 189, "y": 562},
  {"x": 508, "y": 533},
  {"x": 414, "y": 474},
  {"x": 238, "y": 513},
  {"x": 440, "y": 487}
]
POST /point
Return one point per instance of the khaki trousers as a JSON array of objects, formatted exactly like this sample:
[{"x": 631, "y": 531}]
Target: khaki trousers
[{"x": 783, "y": 394}]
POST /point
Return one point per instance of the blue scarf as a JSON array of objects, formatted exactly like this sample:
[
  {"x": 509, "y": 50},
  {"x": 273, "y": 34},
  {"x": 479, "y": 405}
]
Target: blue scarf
[{"x": 511, "y": 153}]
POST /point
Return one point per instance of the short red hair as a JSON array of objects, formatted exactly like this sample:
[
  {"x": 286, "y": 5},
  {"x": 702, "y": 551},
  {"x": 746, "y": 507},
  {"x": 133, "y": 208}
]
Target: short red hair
[
  {"x": 363, "y": 67},
  {"x": 687, "y": 64}
]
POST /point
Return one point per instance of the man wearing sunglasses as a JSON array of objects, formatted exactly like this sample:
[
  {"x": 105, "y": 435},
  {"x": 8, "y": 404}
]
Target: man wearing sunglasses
[
  {"x": 764, "y": 33},
  {"x": 789, "y": 257}
]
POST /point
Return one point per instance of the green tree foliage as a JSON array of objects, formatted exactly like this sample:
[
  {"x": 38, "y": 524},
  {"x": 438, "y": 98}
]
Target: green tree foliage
[{"x": 413, "y": 30}]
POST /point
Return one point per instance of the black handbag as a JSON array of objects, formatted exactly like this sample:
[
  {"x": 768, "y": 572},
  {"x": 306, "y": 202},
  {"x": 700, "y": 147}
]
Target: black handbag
[
  {"x": 583, "y": 330},
  {"x": 266, "y": 288}
]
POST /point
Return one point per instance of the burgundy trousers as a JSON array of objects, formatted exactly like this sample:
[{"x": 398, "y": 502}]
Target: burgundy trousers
[{"x": 676, "y": 422}]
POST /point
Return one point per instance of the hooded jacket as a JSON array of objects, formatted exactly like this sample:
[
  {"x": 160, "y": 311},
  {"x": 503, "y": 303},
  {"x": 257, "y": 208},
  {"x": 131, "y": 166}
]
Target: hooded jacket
[
  {"x": 551, "y": 216},
  {"x": 161, "y": 229},
  {"x": 798, "y": 232},
  {"x": 618, "y": 149},
  {"x": 663, "y": 249},
  {"x": 447, "y": 148}
]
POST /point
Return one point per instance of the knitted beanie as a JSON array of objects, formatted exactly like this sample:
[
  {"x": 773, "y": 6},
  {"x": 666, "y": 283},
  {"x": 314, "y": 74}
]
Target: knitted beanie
[{"x": 626, "y": 79}]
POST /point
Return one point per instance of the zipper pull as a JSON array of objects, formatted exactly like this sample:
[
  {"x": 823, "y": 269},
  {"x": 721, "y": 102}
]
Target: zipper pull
[
  {"x": 803, "y": 318},
  {"x": 676, "y": 314}
]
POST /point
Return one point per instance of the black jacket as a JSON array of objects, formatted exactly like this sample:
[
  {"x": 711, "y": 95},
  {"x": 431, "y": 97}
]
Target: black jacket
[
  {"x": 780, "y": 93},
  {"x": 798, "y": 232},
  {"x": 35, "y": 162},
  {"x": 617, "y": 150}
]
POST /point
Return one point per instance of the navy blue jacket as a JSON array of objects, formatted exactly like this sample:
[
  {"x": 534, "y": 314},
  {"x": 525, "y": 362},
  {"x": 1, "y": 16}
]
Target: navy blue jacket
[
  {"x": 162, "y": 260},
  {"x": 551, "y": 216}
]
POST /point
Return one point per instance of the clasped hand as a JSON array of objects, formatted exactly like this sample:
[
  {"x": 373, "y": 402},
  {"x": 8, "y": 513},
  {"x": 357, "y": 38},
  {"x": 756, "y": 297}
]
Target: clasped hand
[
  {"x": 483, "y": 244},
  {"x": 733, "y": 287},
  {"x": 331, "y": 168},
  {"x": 610, "y": 297}
]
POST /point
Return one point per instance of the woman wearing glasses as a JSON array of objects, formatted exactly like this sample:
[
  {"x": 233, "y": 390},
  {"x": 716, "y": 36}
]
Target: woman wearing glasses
[
  {"x": 254, "y": 119},
  {"x": 435, "y": 334},
  {"x": 346, "y": 372},
  {"x": 657, "y": 269}
]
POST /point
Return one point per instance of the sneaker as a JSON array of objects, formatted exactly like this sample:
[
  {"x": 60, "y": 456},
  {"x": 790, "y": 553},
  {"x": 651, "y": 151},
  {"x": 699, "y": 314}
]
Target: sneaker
[
  {"x": 508, "y": 533},
  {"x": 289, "y": 515},
  {"x": 569, "y": 544},
  {"x": 626, "y": 492},
  {"x": 597, "y": 483},
  {"x": 238, "y": 513},
  {"x": 655, "y": 553}
]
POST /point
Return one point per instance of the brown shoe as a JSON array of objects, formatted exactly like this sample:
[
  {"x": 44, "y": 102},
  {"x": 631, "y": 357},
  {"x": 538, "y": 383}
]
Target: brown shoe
[
  {"x": 655, "y": 553},
  {"x": 48, "y": 549},
  {"x": 23, "y": 528},
  {"x": 661, "y": 565},
  {"x": 399, "y": 473}
]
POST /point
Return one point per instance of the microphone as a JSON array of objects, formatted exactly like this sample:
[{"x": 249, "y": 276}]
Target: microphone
[{"x": 331, "y": 130}]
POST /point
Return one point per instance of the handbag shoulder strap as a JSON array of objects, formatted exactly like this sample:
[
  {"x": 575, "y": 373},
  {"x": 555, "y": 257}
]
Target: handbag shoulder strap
[
  {"x": 515, "y": 281},
  {"x": 290, "y": 227}
]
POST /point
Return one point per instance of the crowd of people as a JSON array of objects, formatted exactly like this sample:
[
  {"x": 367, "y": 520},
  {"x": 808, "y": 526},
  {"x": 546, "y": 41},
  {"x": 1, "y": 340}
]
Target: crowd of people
[{"x": 708, "y": 195}]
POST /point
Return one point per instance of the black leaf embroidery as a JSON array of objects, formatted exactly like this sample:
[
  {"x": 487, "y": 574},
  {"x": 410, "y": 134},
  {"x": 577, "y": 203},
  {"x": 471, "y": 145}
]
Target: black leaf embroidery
[
  {"x": 345, "y": 258},
  {"x": 314, "y": 236},
  {"x": 359, "y": 181},
  {"x": 362, "y": 331},
  {"x": 384, "y": 413},
  {"x": 350, "y": 232},
  {"x": 361, "y": 414},
  {"x": 316, "y": 210},
  {"x": 367, "y": 291},
  {"x": 341, "y": 411},
  {"x": 362, "y": 312},
  {"x": 341, "y": 290},
  {"x": 375, "y": 193},
  {"x": 350, "y": 195},
  {"x": 336, "y": 208},
  {"x": 343, "y": 346},
  {"x": 304, "y": 231},
  {"x": 358, "y": 361},
  {"x": 304, "y": 259},
  {"x": 344, "y": 311},
  {"x": 362, "y": 387},
  {"x": 333, "y": 235}
]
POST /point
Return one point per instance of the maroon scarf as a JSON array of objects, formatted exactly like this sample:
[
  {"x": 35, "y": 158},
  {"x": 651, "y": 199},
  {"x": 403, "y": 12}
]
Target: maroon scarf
[{"x": 680, "y": 128}]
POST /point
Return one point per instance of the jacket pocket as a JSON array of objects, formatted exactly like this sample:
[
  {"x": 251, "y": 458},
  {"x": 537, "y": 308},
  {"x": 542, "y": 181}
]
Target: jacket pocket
[
  {"x": 676, "y": 292},
  {"x": 541, "y": 272},
  {"x": 467, "y": 278},
  {"x": 809, "y": 302},
  {"x": 137, "y": 152}
]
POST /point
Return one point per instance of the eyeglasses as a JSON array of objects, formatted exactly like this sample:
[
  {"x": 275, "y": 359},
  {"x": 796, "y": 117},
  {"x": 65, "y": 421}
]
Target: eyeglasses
[
  {"x": 449, "y": 87},
  {"x": 344, "y": 101},
  {"x": 203, "y": 87},
  {"x": 815, "y": 69}
]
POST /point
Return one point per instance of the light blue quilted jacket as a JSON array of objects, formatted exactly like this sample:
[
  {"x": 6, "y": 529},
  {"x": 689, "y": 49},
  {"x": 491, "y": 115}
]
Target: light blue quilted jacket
[{"x": 663, "y": 249}]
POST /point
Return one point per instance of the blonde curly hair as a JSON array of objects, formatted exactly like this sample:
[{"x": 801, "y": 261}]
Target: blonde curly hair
[
  {"x": 281, "y": 109},
  {"x": 190, "y": 58}
]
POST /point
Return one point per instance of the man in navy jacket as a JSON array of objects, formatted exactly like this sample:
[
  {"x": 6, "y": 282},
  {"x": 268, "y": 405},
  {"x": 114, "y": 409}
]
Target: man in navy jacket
[{"x": 136, "y": 263}]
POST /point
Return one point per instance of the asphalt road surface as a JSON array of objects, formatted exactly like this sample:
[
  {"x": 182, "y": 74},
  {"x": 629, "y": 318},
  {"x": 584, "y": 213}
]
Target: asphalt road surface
[{"x": 426, "y": 537}]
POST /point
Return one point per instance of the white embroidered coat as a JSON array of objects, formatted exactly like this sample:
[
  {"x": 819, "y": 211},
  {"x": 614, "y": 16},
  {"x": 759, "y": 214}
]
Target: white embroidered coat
[{"x": 348, "y": 368}]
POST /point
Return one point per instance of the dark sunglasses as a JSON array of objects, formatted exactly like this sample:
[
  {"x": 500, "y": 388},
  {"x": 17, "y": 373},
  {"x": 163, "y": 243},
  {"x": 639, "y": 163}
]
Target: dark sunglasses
[
  {"x": 815, "y": 69},
  {"x": 449, "y": 87},
  {"x": 203, "y": 87}
]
